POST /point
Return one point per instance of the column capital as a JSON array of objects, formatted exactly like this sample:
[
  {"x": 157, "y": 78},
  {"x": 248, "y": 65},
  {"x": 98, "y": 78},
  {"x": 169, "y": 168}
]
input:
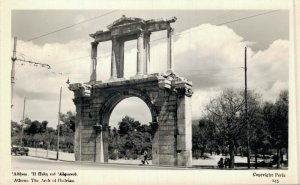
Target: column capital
[
  {"x": 94, "y": 44},
  {"x": 114, "y": 38},
  {"x": 141, "y": 33},
  {"x": 147, "y": 33},
  {"x": 170, "y": 31}
]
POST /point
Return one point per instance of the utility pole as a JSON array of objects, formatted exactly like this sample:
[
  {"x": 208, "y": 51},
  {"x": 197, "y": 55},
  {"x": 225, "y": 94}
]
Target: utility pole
[
  {"x": 23, "y": 120},
  {"x": 246, "y": 112},
  {"x": 13, "y": 58},
  {"x": 58, "y": 124}
]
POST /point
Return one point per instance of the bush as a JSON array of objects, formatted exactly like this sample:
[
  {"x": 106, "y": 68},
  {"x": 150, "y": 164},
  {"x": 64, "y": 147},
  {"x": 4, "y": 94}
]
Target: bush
[
  {"x": 196, "y": 155},
  {"x": 113, "y": 156},
  {"x": 205, "y": 156}
]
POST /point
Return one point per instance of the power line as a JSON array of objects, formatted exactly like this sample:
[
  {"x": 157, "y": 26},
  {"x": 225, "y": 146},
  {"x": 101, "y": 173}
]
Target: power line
[
  {"x": 219, "y": 24},
  {"x": 67, "y": 27},
  {"x": 35, "y": 63},
  {"x": 64, "y": 61},
  {"x": 215, "y": 18},
  {"x": 23, "y": 55},
  {"x": 227, "y": 22}
]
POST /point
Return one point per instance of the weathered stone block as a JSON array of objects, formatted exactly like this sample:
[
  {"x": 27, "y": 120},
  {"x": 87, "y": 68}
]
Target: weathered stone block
[
  {"x": 167, "y": 132},
  {"x": 167, "y": 149},
  {"x": 184, "y": 158},
  {"x": 181, "y": 129},
  {"x": 167, "y": 138},
  {"x": 171, "y": 102},
  {"x": 181, "y": 142},
  {"x": 167, "y": 159},
  {"x": 87, "y": 157},
  {"x": 166, "y": 127}
]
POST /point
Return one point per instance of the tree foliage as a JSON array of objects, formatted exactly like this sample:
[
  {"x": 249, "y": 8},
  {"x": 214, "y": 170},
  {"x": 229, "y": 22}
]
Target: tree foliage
[
  {"x": 130, "y": 139},
  {"x": 225, "y": 126},
  {"x": 38, "y": 134}
]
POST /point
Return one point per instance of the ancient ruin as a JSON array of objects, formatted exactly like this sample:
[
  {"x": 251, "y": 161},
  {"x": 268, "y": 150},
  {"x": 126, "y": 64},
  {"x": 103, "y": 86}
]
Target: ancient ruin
[{"x": 167, "y": 95}]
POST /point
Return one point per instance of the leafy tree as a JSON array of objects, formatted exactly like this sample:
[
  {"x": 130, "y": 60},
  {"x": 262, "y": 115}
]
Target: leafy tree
[
  {"x": 203, "y": 137},
  {"x": 224, "y": 111},
  {"x": 130, "y": 139},
  {"x": 276, "y": 116},
  {"x": 257, "y": 129},
  {"x": 69, "y": 120},
  {"x": 15, "y": 133}
]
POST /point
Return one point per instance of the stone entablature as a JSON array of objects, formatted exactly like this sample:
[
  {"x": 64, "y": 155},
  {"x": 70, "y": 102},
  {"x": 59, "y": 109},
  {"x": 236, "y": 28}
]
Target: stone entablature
[{"x": 126, "y": 29}]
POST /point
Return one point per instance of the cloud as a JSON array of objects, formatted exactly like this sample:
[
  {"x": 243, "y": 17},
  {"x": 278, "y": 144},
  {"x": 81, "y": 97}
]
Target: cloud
[{"x": 211, "y": 58}]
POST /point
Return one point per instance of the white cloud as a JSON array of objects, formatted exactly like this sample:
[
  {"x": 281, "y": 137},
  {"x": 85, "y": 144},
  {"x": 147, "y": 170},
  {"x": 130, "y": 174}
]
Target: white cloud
[{"x": 211, "y": 58}]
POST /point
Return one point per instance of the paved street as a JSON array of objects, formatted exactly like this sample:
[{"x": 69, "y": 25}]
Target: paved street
[{"x": 33, "y": 163}]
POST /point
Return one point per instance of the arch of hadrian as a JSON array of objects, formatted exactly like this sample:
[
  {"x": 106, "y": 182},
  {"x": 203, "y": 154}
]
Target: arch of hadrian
[{"x": 167, "y": 95}]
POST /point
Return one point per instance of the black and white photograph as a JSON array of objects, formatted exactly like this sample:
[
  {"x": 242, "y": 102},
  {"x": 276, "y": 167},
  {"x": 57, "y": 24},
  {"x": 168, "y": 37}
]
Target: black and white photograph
[{"x": 151, "y": 90}]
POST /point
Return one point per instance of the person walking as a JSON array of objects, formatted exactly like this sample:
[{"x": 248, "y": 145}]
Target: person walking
[{"x": 145, "y": 157}]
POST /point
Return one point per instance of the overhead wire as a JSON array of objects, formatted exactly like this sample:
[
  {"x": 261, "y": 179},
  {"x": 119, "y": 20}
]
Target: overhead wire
[
  {"x": 70, "y": 26},
  {"x": 128, "y": 47},
  {"x": 182, "y": 33}
]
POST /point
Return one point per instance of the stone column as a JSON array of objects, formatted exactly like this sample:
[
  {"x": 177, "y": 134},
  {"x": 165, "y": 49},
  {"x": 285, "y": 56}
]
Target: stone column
[
  {"x": 140, "y": 53},
  {"x": 184, "y": 129},
  {"x": 105, "y": 139},
  {"x": 99, "y": 144},
  {"x": 121, "y": 59},
  {"x": 169, "y": 51},
  {"x": 93, "y": 77},
  {"x": 113, "y": 73},
  {"x": 146, "y": 52}
]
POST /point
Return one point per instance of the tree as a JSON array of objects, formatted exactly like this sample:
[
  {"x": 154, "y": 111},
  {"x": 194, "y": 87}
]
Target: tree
[
  {"x": 257, "y": 127},
  {"x": 15, "y": 133},
  {"x": 224, "y": 112},
  {"x": 276, "y": 116},
  {"x": 127, "y": 125},
  {"x": 66, "y": 131},
  {"x": 203, "y": 137},
  {"x": 130, "y": 139},
  {"x": 69, "y": 120}
]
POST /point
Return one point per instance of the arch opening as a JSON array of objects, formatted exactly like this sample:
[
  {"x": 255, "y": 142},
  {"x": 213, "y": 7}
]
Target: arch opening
[{"x": 130, "y": 132}]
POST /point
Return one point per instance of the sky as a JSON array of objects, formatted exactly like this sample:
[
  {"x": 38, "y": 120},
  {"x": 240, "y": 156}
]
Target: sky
[{"x": 208, "y": 50}]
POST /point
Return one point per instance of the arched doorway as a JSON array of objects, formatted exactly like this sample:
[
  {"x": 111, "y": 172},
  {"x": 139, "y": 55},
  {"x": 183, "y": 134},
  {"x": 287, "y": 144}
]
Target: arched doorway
[
  {"x": 130, "y": 132},
  {"x": 105, "y": 115}
]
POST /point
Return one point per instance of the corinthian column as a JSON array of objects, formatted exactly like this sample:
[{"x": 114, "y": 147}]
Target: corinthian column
[
  {"x": 140, "y": 53},
  {"x": 146, "y": 52},
  {"x": 169, "y": 51},
  {"x": 93, "y": 76},
  {"x": 113, "y": 72}
]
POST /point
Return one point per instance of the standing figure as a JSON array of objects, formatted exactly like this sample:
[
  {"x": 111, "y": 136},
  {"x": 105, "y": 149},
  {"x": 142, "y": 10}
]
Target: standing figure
[
  {"x": 227, "y": 163},
  {"x": 221, "y": 163},
  {"x": 145, "y": 156}
]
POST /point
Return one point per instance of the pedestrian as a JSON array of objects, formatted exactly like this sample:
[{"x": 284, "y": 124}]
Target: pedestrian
[
  {"x": 227, "y": 163},
  {"x": 145, "y": 156},
  {"x": 142, "y": 156},
  {"x": 221, "y": 163}
]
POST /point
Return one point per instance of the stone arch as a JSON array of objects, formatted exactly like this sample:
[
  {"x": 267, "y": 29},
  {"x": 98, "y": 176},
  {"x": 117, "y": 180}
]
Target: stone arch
[
  {"x": 113, "y": 100},
  {"x": 169, "y": 101}
]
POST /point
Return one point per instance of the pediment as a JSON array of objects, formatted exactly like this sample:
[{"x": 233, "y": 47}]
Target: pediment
[{"x": 125, "y": 20}]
